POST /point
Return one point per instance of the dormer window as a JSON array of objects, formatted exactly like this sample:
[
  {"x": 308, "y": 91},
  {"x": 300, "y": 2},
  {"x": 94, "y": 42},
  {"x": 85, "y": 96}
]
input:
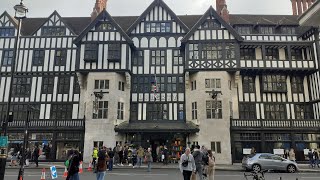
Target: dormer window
[
  {"x": 104, "y": 26},
  {"x": 211, "y": 24},
  {"x": 158, "y": 27},
  {"x": 244, "y": 29},
  {"x": 266, "y": 30},
  {"x": 53, "y": 31},
  {"x": 5, "y": 32},
  {"x": 288, "y": 30}
]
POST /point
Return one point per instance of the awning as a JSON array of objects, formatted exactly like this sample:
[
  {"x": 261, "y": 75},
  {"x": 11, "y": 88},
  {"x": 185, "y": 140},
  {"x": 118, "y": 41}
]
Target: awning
[{"x": 178, "y": 127}]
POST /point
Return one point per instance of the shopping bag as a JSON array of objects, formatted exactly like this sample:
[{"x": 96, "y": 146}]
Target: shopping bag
[
  {"x": 27, "y": 162},
  {"x": 193, "y": 176}
]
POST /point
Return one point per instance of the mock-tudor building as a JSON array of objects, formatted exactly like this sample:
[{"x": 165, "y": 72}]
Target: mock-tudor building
[{"x": 229, "y": 82}]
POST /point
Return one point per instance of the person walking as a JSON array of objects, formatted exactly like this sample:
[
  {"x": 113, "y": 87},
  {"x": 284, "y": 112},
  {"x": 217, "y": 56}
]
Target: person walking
[
  {"x": 187, "y": 164},
  {"x": 121, "y": 156},
  {"x": 292, "y": 155},
  {"x": 286, "y": 154},
  {"x": 198, "y": 156},
  {"x": 28, "y": 156},
  {"x": 316, "y": 158},
  {"x": 140, "y": 154},
  {"x": 148, "y": 159},
  {"x": 73, "y": 168},
  {"x": 111, "y": 155},
  {"x": 134, "y": 157},
  {"x": 166, "y": 155},
  {"x": 35, "y": 155},
  {"x": 311, "y": 160},
  {"x": 211, "y": 165},
  {"x": 101, "y": 165},
  {"x": 94, "y": 156}
]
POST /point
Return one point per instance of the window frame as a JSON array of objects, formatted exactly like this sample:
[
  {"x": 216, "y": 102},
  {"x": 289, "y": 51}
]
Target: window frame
[
  {"x": 158, "y": 27},
  {"x": 216, "y": 146},
  {"x": 303, "y": 111},
  {"x": 267, "y": 30},
  {"x": 63, "y": 85},
  {"x": 47, "y": 85},
  {"x": 248, "y": 54},
  {"x": 138, "y": 58},
  {"x": 271, "y": 108},
  {"x": 272, "y": 54},
  {"x": 38, "y": 57},
  {"x": 7, "y": 54},
  {"x": 216, "y": 106},
  {"x": 21, "y": 86},
  {"x": 297, "y": 85},
  {"x": 194, "y": 110},
  {"x": 103, "y": 108},
  {"x": 248, "y": 84},
  {"x": 60, "y": 59},
  {"x": 53, "y": 31},
  {"x": 114, "y": 52},
  {"x": 91, "y": 52},
  {"x": 247, "y": 110},
  {"x": 120, "y": 111},
  {"x": 59, "y": 110},
  {"x": 121, "y": 86},
  {"x": 158, "y": 57},
  {"x": 7, "y": 31},
  {"x": 273, "y": 85},
  {"x": 106, "y": 84},
  {"x": 213, "y": 83}
]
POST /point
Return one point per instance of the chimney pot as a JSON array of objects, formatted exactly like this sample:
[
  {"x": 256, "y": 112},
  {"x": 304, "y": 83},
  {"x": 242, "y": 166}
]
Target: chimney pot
[{"x": 99, "y": 6}]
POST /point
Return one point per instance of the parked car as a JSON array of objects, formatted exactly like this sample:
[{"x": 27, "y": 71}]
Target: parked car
[{"x": 262, "y": 161}]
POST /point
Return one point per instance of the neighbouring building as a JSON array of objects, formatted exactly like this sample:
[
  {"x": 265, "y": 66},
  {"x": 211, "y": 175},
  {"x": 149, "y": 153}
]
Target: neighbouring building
[{"x": 227, "y": 81}]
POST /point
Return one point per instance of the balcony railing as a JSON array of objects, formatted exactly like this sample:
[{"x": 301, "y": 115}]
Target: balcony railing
[
  {"x": 275, "y": 124},
  {"x": 48, "y": 124}
]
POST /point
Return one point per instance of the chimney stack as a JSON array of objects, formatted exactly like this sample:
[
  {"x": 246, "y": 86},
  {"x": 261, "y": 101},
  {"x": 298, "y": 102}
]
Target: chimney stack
[
  {"x": 301, "y": 6},
  {"x": 100, "y": 6},
  {"x": 222, "y": 9}
]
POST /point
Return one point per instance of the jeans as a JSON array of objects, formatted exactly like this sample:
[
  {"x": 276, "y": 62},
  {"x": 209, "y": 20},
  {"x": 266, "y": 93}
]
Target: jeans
[
  {"x": 186, "y": 175},
  {"x": 199, "y": 170},
  {"x": 100, "y": 175},
  {"x": 149, "y": 166},
  {"x": 139, "y": 161},
  {"x": 110, "y": 164},
  {"x": 74, "y": 177},
  {"x": 311, "y": 161}
]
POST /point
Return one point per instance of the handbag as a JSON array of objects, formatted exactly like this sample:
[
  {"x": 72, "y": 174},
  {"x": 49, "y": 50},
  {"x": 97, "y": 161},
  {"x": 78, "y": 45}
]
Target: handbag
[
  {"x": 193, "y": 176},
  {"x": 185, "y": 162}
]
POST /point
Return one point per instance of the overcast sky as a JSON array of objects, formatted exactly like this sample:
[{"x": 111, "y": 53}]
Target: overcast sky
[{"x": 43, "y": 8}]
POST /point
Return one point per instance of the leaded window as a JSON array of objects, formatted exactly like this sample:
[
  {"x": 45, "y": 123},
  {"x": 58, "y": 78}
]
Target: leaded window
[
  {"x": 172, "y": 84},
  {"x": 63, "y": 85},
  {"x": 274, "y": 83},
  {"x": 134, "y": 111},
  {"x": 158, "y": 57},
  {"x": 138, "y": 58},
  {"x": 47, "y": 85},
  {"x": 272, "y": 54},
  {"x": 275, "y": 111},
  {"x": 61, "y": 111},
  {"x": 177, "y": 57},
  {"x": 101, "y": 84},
  {"x": 230, "y": 52},
  {"x": 297, "y": 84},
  {"x": 214, "y": 109},
  {"x": 114, "y": 52},
  {"x": 244, "y": 29},
  {"x": 194, "y": 110},
  {"x": 193, "y": 51},
  {"x": 212, "y": 83},
  {"x": 21, "y": 87},
  {"x": 267, "y": 30},
  {"x": 60, "y": 57},
  {"x": 296, "y": 54},
  {"x": 212, "y": 51},
  {"x": 211, "y": 24},
  {"x": 53, "y": 31},
  {"x": 20, "y": 111},
  {"x": 38, "y": 57},
  {"x": 288, "y": 30},
  {"x": 76, "y": 85},
  {"x": 104, "y": 26},
  {"x": 303, "y": 111},
  {"x": 248, "y": 84},
  {"x": 157, "y": 111},
  {"x": 91, "y": 52},
  {"x": 120, "y": 111},
  {"x": 7, "y": 57},
  {"x": 161, "y": 27},
  {"x": 247, "y": 54},
  {"x": 100, "y": 110},
  {"x": 5, "y": 32},
  {"x": 247, "y": 110}
]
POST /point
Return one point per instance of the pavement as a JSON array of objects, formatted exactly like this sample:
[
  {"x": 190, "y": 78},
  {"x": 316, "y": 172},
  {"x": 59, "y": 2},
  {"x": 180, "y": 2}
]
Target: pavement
[{"x": 220, "y": 167}]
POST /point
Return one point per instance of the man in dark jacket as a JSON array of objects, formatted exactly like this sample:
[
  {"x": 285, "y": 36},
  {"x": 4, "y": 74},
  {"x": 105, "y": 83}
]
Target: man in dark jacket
[
  {"x": 35, "y": 155},
  {"x": 316, "y": 157},
  {"x": 74, "y": 163},
  {"x": 198, "y": 155},
  {"x": 311, "y": 160},
  {"x": 166, "y": 155},
  {"x": 111, "y": 155}
]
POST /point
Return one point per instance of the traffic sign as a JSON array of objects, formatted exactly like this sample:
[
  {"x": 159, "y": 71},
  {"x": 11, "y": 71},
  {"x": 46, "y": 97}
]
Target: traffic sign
[
  {"x": 3, "y": 141},
  {"x": 54, "y": 174}
]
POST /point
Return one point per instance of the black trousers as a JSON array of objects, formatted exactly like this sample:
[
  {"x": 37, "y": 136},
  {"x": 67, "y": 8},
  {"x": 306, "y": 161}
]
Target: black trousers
[
  {"x": 36, "y": 160},
  {"x": 186, "y": 175}
]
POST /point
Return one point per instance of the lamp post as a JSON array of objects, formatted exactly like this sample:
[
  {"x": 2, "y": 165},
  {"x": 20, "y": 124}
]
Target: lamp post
[{"x": 20, "y": 13}]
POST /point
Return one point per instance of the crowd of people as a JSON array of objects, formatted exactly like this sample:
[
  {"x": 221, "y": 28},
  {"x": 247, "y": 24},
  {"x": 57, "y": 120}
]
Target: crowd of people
[{"x": 29, "y": 155}]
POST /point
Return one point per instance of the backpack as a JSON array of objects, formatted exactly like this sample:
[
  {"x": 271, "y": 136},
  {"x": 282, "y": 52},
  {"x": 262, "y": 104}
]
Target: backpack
[{"x": 67, "y": 162}]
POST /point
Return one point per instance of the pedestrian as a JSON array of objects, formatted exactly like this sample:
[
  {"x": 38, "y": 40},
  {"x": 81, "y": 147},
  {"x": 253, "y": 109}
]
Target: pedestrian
[
  {"x": 35, "y": 155},
  {"x": 158, "y": 153},
  {"x": 111, "y": 155},
  {"x": 253, "y": 150},
  {"x": 121, "y": 150},
  {"x": 311, "y": 160},
  {"x": 94, "y": 156},
  {"x": 134, "y": 157},
  {"x": 292, "y": 155},
  {"x": 28, "y": 156},
  {"x": 125, "y": 155},
  {"x": 73, "y": 167},
  {"x": 187, "y": 164},
  {"x": 166, "y": 155},
  {"x": 211, "y": 165},
  {"x": 101, "y": 166},
  {"x": 316, "y": 158},
  {"x": 148, "y": 159},
  {"x": 286, "y": 154},
  {"x": 198, "y": 158},
  {"x": 140, "y": 154}
]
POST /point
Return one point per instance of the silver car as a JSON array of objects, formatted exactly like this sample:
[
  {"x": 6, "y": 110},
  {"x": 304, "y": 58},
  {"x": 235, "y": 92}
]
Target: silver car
[{"x": 260, "y": 161}]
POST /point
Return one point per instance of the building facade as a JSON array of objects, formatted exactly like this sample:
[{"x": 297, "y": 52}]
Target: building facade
[{"x": 226, "y": 81}]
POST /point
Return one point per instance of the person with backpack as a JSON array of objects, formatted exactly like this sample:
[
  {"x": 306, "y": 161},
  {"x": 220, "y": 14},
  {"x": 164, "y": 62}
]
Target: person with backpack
[
  {"x": 73, "y": 165},
  {"x": 198, "y": 158},
  {"x": 211, "y": 164}
]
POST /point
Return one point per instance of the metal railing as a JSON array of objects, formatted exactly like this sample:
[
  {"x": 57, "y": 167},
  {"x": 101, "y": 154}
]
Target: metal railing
[{"x": 48, "y": 123}]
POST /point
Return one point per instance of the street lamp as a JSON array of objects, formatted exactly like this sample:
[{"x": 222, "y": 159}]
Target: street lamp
[{"x": 20, "y": 13}]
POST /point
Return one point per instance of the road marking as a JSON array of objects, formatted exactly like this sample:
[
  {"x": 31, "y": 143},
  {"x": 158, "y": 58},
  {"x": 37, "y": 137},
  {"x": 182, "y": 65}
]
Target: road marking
[{"x": 134, "y": 174}]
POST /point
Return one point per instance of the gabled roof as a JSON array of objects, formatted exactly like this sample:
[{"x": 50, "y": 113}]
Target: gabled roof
[
  {"x": 102, "y": 15},
  {"x": 60, "y": 18},
  {"x": 152, "y": 5},
  {"x": 13, "y": 20},
  {"x": 211, "y": 12}
]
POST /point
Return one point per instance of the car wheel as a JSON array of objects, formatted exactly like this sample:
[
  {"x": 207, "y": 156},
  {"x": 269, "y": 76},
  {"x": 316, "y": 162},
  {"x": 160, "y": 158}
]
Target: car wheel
[
  {"x": 256, "y": 168},
  {"x": 291, "y": 168}
]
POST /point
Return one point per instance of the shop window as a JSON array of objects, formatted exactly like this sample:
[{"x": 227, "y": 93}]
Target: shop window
[
  {"x": 303, "y": 111},
  {"x": 61, "y": 111},
  {"x": 60, "y": 57},
  {"x": 7, "y": 57},
  {"x": 193, "y": 51},
  {"x": 114, "y": 52},
  {"x": 121, "y": 86},
  {"x": 38, "y": 57},
  {"x": 193, "y": 85},
  {"x": 274, "y": 83},
  {"x": 247, "y": 54},
  {"x": 101, "y": 84},
  {"x": 216, "y": 147},
  {"x": 158, "y": 57},
  {"x": 47, "y": 85},
  {"x": 214, "y": 109},
  {"x": 248, "y": 84},
  {"x": 213, "y": 83},
  {"x": 63, "y": 85},
  {"x": 98, "y": 144},
  {"x": 120, "y": 110},
  {"x": 275, "y": 111},
  {"x": 272, "y": 54},
  {"x": 100, "y": 110},
  {"x": 138, "y": 58},
  {"x": 5, "y": 32},
  {"x": 194, "y": 110},
  {"x": 247, "y": 110},
  {"x": 297, "y": 84},
  {"x": 21, "y": 87},
  {"x": 91, "y": 52}
]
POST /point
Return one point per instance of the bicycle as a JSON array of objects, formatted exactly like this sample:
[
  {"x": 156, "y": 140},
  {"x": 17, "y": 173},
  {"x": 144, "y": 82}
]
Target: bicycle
[{"x": 256, "y": 175}]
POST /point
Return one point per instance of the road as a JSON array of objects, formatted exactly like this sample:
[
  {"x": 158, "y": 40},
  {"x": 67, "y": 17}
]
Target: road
[{"x": 158, "y": 174}]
